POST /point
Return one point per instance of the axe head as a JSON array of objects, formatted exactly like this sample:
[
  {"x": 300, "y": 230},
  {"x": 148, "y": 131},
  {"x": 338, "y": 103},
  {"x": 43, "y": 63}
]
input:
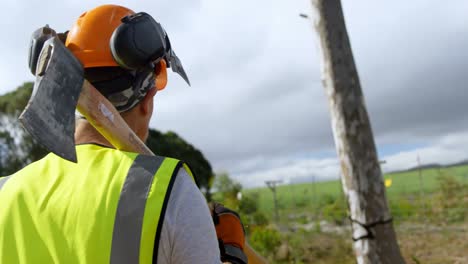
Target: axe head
[{"x": 50, "y": 114}]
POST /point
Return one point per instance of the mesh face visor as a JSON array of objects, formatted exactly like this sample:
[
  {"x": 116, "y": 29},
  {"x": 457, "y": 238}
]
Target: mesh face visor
[{"x": 173, "y": 61}]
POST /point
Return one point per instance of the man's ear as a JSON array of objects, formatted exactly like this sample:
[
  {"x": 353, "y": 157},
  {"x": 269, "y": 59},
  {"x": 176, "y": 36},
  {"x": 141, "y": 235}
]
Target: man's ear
[
  {"x": 146, "y": 105},
  {"x": 161, "y": 75}
]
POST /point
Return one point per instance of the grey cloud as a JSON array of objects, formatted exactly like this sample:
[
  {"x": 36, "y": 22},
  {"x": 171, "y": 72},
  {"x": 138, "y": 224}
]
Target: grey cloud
[{"x": 424, "y": 100}]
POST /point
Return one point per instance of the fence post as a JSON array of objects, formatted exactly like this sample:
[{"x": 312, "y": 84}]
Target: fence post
[
  {"x": 373, "y": 234},
  {"x": 272, "y": 186}
]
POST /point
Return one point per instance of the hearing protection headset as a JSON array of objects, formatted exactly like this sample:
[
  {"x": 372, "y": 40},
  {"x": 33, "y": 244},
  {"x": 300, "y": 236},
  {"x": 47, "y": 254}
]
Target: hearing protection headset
[{"x": 141, "y": 41}]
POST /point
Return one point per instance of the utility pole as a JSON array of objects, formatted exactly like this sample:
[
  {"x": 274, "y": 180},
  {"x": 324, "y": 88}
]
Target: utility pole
[
  {"x": 272, "y": 186},
  {"x": 373, "y": 234}
]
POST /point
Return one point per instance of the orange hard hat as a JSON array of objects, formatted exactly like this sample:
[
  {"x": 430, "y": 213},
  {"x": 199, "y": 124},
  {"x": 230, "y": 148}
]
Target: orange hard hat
[{"x": 89, "y": 37}]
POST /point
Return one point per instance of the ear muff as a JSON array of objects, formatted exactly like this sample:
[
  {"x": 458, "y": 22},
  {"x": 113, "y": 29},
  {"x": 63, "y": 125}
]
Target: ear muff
[
  {"x": 141, "y": 42},
  {"x": 138, "y": 42},
  {"x": 161, "y": 75}
]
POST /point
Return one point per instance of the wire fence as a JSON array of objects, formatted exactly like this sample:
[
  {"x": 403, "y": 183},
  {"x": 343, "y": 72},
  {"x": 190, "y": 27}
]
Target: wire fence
[{"x": 437, "y": 195}]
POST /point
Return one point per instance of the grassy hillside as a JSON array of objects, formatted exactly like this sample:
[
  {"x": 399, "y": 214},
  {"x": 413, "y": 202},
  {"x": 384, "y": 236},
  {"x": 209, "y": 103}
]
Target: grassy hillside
[{"x": 409, "y": 182}]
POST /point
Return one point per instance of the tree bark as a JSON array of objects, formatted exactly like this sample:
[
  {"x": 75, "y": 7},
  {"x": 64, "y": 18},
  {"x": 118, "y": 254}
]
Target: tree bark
[{"x": 374, "y": 238}]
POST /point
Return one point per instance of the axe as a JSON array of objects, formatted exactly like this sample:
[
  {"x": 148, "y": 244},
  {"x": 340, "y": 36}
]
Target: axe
[{"x": 60, "y": 89}]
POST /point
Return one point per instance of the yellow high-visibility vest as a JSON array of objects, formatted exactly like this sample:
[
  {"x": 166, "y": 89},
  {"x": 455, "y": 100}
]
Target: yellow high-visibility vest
[{"x": 107, "y": 208}]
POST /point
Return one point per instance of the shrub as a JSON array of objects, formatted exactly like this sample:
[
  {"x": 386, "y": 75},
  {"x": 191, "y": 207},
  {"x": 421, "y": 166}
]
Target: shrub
[
  {"x": 336, "y": 211},
  {"x": 260, "y": 219},
  {"x": 326, "y": 199},
  {"x": 402, "y": 208},
  {"x": 451, "y": 197},
  {"x": 249, "y": 203},
  {"x": 313, "y": 247},
  {"x": 301, "y": 202},
  {"x": 265, "y": 240},
  {"x": 296, "y": 241}
]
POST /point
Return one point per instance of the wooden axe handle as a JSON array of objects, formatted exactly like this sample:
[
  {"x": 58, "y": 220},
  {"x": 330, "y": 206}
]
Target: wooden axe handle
[
  {"x": 107, "y": 120},
  {"x": 252, "y": 256},
  {"x": 103, "y": 116}
]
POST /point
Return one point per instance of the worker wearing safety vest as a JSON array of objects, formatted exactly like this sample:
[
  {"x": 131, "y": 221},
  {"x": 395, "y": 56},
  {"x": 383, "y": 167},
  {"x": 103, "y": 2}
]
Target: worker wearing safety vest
[{"x": 112, "y": 206}]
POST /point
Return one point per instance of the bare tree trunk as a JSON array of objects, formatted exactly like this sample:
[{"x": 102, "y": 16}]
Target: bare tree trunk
[{"x": 373, "y": 234}]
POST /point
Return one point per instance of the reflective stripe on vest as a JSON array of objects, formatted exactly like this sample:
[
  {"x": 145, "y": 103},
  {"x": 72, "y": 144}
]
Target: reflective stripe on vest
[
  {"x": 136, "y": 235},
  {"x": 131, "y": 210},
  {"x": 134, "y": 225},
  {"x": 3, "y": 180}
]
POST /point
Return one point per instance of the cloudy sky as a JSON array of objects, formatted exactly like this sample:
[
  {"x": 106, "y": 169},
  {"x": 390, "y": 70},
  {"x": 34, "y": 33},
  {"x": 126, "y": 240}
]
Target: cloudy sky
[{"x": 256, "y": 107}]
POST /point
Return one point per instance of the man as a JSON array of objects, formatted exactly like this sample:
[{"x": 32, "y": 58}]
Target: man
[{"x": 112, "y": 206}]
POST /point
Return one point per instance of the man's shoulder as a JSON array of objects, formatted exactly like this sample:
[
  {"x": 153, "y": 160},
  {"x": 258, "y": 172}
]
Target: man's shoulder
[
  {"x": 187, "y": 224},
  {"x": 186, "y": 199}
]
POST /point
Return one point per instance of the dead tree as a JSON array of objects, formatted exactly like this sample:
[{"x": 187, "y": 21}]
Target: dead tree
[{"x": 373, "y": 234}]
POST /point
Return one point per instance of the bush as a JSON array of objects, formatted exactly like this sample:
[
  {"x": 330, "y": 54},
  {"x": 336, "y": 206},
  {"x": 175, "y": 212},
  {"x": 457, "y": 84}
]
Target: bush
[
  {"x": 301, "y": 202},
  {"x": 402, "y": 209},
  {"x": 260, "y": 219},
  {"x": 249, "y": 203},
  {"x": 326, "y": 199},
  {"x": 454, "y": 215},
  {"x": 313, "y": 247},
  {"x": 265, "y": 240},
  {"x": 451, "y": 199},
  {"x": 336, "y": 211},
  {"x": 253, "y": 221},
  {"x": 296, "y": 241}
]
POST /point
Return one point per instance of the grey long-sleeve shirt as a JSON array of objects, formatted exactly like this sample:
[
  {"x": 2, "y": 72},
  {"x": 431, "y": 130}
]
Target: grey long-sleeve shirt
[{"x": 188, "y": 234}]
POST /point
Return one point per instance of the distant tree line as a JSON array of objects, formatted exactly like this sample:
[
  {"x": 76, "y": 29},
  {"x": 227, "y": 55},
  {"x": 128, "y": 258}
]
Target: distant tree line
[{"x": 17, "y": 148}]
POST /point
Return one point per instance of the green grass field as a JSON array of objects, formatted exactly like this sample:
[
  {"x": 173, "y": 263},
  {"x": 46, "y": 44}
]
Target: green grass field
[{"x": 309, "y": 196}]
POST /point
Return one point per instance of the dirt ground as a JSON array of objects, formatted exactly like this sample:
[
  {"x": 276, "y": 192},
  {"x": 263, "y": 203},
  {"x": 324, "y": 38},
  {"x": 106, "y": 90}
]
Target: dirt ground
[
  {"x": 419, "y": 243},
  {"x": 434, "y": 244}
]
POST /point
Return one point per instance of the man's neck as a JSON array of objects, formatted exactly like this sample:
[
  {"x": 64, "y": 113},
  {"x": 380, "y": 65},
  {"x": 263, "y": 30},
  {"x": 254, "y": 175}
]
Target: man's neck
[{"x": 85, "y": 133}]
